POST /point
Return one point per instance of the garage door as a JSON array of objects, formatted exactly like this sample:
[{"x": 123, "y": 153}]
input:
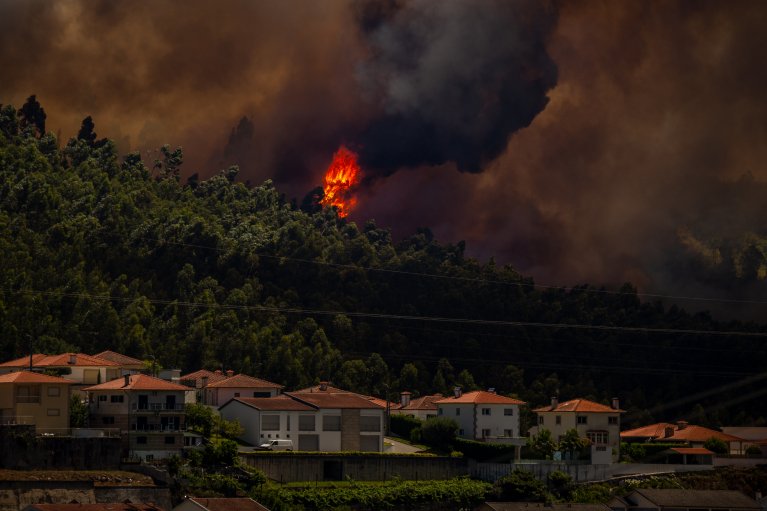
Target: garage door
[{"x": 308, "y": 442}]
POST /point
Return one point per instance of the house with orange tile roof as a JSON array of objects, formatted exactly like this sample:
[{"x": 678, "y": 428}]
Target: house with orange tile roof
[
  {"x": 313, "y": 421},
  {"x": 37, "y": 399},
  {"x": 682, "y": 432},
  {"x": 79, "y": 368},
  {"x": 483, "y": 415},
  {"x": 127, "y": 364},
  {"x": 599, "y": 423},
  {"x": 238, "y": 385},
  {"x": 423, "y": 407},
  {"x": 148, "y": 410}
]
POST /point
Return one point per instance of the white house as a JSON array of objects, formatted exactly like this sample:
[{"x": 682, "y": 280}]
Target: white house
[
  {"x": 599, "y": 423},
  {"x": 424, "y": 407},
  {"x": 238, "y": 385},
  {"x": 482, "y": 415},
  {"x": 79, "y": 368},
  {"x": 314, "y": 422}
]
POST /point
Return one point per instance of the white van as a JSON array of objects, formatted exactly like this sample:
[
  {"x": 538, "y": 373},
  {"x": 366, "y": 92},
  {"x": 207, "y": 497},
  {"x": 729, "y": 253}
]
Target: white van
[{"x": 278, "y": 445}]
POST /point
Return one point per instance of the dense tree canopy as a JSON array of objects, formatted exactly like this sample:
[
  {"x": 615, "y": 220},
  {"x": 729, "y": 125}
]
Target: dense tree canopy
[{"x": 103, "y": 252}]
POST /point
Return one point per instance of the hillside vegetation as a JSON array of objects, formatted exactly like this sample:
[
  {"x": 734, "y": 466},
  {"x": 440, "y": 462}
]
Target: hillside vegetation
[{"x": 103, "y": 251}]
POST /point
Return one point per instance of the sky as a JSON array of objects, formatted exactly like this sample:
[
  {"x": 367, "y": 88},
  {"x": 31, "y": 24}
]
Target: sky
[{"x": 588, "y": 141}]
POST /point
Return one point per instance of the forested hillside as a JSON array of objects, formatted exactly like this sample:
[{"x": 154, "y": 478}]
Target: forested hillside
[{"x": 105, "y": 251}]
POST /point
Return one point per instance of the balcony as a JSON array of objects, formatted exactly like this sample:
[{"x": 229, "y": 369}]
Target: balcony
[
  {"x": 157, "y": 428},
  {"x": 157, "y": 407}
]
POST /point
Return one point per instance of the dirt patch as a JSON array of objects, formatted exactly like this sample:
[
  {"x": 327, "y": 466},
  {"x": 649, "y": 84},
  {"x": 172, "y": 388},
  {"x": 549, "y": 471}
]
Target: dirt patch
[{"x": 99, "y": 477}]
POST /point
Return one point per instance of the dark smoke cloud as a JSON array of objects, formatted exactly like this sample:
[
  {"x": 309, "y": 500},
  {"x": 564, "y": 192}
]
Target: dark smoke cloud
[
  {"x": 632, "y": 171},
  {"x": 452, "y": 80}
]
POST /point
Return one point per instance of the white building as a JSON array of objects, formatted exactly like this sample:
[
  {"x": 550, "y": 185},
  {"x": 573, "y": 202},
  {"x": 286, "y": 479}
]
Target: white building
[
  {"x": 314, "y": 422},
  {"x": 482, "y": 415},
  {"x": 424, "y": 407},
  {"x": 238, "y": 385},
  {"x": 601, "y": 424}
]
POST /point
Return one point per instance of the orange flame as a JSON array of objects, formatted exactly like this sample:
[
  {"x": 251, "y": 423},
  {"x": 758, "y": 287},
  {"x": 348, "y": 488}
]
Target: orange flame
[{"x": 341, "y": 179}]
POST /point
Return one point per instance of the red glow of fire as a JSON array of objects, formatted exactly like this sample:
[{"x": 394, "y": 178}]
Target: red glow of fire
[{"x": 341, "y": 179}]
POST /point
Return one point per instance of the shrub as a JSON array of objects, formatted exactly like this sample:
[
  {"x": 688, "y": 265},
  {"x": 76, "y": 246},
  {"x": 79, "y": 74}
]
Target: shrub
[
  {"x": 561, "y": 484},
  {"x": 521, "y": 486},
  {"x": 716, "y": 445},
  {"x": 439, "y": 432},
  {"x": 402, "y": 425},
  {"x": 753, "y": 451},
  {"x": 483, "y": 451}
]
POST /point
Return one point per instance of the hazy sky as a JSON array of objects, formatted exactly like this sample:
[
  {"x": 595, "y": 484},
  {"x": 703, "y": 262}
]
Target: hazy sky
[{"x": 582, "y": 141}]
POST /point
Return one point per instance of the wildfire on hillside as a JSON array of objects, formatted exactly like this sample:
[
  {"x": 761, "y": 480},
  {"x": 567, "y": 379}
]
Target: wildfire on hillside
[{"x": 341, "y": 180}]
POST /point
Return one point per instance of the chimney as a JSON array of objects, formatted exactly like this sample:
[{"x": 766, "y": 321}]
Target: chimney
[
  {"x": 404, "y": 398},
  {"x": 127, "y": 380},
  {"x": 680, "y": 425},
  {"x": 218, "y": 371},
  {"x": 323, "y": 386},
  {"x": 616, "y": 403},
  {"x": 73, "y": 358},
  {"x": 229, "y": 373},
  {"x": 554, "y": 402},
  {"x": 457, "y": 391},
  {"x": 668, "y": 431},
  {"x": 491, "y": 390},
  {"x": 758, "y": 496}
]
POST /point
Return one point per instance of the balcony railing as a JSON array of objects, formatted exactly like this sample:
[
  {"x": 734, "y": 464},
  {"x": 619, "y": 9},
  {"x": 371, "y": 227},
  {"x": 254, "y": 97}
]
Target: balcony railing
[
  {"x": 158, "y": 428},
  {"x": 16, "y": 420},
  {"x": 158, "y": 407}
]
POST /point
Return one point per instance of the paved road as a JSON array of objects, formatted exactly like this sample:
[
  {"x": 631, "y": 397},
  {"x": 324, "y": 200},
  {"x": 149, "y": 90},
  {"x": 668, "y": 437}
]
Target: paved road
[{"x": 397, "y": 446}]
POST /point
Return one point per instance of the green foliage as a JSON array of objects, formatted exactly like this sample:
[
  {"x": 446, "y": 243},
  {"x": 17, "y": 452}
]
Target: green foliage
[
  {"x": 560, "y": 484},
  {"x": 541, "y": 445},
  {"x": 202, "y": 419},
  {"x": 632, "y": 452},
  {"x": 573, "y": 446},
  {"x": 459, "y": 493},
  {"x": 221, "y": 452},
  {"x": 484, "y": 451},
  {"x": 646, "y": 452},
  {"x": 402, "y": 425},
  {"x": 78, "y": 411},
  {"x": 521, "y": 486},
  {"x": 716, "y": 445},
  {"x": 753, "y": 451},
  {"x": 439, "y": 433}
]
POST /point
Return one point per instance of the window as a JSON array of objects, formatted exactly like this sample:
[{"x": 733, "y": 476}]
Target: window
[
  {"x": 28, "y": 393},
  {"x": 540, "y": 419},
  {"x": 460, "y": 432},
  {"x": 116, "y": 398},
  {"x": 107, "y": 421},
  {"x": 262, "y": 394},
  {"x": 508, "y": 432},
  {"x": 581, "y": 419},
  {"x": 54, "y": 391},
  {"x": 486, "y": 411},
  {"x": 103, "y": 398},
  {"x": 370, "y": 423},
  {"x": 141, "y": 440},
  {"x": 485, "y": 433},
  {"x": 439, "y": 411},
  {"x": 458, "y": 411},
  {"x": 236, "y": 394},
  {"x": 306, "y": 423},
  {"x": 508, "y": 411},
  {"x": 558, "y": 420},
  {"x": 270, "y": 422},
  {"x": 597, "y": 437},
  {"x": 54, "y": 412},
  {"x": 170, "y": 440},
  {"x": 612, "y": 420},
  {"x": 331, "y": 423},
  {"x": 288, "y": 425}
]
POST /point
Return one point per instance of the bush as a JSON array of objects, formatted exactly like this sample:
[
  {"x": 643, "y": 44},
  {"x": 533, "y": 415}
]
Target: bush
[
  {"x": 753, "y": 451},
  {"x": 560, "y": 484},
  {"x": 716, "y": 445},
  {"x": 483, "y": 451},
  {"x": 521, "y": 486},
  {"x": 439, "y": 432},
  {"x": 402, "y": 425}
]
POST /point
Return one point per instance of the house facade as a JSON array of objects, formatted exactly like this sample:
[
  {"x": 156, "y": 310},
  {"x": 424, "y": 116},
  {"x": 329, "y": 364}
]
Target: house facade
[
  {"x": 424, "y": 407},
  {"x": 238, "y": 385},
  {"x": 149, "y": 411},
  {"x": 599, "y": 423},
  {"x": 34, "y": 398},
  {"x": 684, "y": 433},
  {"x": 79, "y": 368},
  {"x": 313, "y": 422},
  {"x": 482, "y": 415}
]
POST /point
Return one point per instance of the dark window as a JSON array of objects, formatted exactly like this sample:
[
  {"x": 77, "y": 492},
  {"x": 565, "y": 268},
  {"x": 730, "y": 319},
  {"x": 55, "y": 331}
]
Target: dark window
[
  {"x": 331, "y": 423},
  {"x": 141, "y": 440},
  {"x": 558, "y": 419},
  {"x": 108, "y": 420},
  {"x": 540, "y": 419},
  {"x": 612, "y": 420},
  {"x": 306, "y": 423},
  {"x": 370, "y": 423},
  {"x": 236, "y": 394},
  {"x": 582, "y": 419},
  {"x": 170, "y": 440},
  {"x": 262, "y": 394},
  {"x": 486, "y": 411},
  {"x": 508, "y": 411},
  {"x": 270, "y": 422},
  {"x": 119, "y": 398},
  {"x": 102, "y": 398},
  {"x": 458, "y": 411}
]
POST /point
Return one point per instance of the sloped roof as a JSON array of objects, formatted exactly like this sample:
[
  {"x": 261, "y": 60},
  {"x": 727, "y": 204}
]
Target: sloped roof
[
  {"x": 137, "y": 382},
  {"x": 61, "y": 360},
  {"x": 280, "y": 403},
  {"x": 319, "y": 388},
  {"x": 688, "y": 433},
  {"x": 243, "y": 381},
  {"x": 579, "y": 405},
  {"x": 480, "y": 397},
  {"x": 747, "y": 432},
  {"x": 691, "y": 450},
  {"x": 119, "y": 358},
  {"x": 423, "y": 403},
  {"x": 230, "y": 504},
  {"x": 203, "y": 373},
  {"x": 335, "y": 400},
  {"x": 706, "y": 499},
  {"x": 117, "y": 506},
  {"x": 28, "y": 377}
]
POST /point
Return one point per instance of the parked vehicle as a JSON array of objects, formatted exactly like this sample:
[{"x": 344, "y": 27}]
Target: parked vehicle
[{"x": 278, "y": 445}]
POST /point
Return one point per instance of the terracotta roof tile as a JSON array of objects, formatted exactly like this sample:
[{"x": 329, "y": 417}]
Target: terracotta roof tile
[
  {"x": 423, "y": 403},
  {"x": 243, "y": 381},
  {"x": 273, "y": 403},
  {"x": 481, "y": 397},
  {"x": 197, "y": 376},
  {"x": 27, "y": 377},
  {"x": 335, "y": 400},
  {"x": 691, "y": 450},
  {"x": 688, "y": 433},
  {"x": 231, "y": 504},
  {"x": 119, "y": 358},
  {"x": 579, "y": 405},
  {"x": 61, "y": 360},
  {"x": 137, "y": 382},
  {"x": 704, "y": 499}
]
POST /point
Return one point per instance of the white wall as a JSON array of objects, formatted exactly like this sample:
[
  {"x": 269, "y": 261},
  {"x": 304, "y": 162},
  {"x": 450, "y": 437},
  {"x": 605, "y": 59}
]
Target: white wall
[{"x": 249, "y": 418}]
